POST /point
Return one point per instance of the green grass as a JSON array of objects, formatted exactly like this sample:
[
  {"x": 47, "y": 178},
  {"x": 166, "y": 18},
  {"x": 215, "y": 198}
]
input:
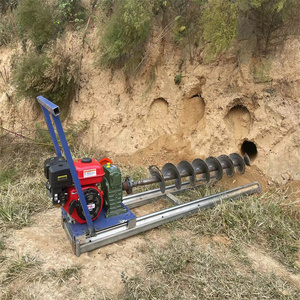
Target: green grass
[
  {"x": 54, "y": 73},
  {"x": 2, "y": 248},
  {"x": 181, "y": 269},
  {"x": 25, "y": 269},
  {"x": 22, "y": 184},
  {"x": 264, "y": 220},
  {"x": 7, "y": 175},
  {"x": 23, "y": 277},
  {"x": 20, "y": 200},
  {"x": 2, "y": 245}
]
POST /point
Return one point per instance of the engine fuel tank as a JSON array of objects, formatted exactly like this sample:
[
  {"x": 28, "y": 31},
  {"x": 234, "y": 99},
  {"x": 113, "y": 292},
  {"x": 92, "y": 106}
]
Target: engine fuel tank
[{"x": 89, "y": 171}]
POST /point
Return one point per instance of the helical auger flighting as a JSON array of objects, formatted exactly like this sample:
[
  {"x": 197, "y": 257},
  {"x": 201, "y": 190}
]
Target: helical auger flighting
[{"x": 198, "y": 170}]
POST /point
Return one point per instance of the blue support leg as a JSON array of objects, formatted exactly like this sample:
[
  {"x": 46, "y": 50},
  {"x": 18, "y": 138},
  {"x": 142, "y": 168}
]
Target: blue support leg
[
  {"x": 69, "y": 158},
  {"x": 50, "y": 108},
  {"x": 51, "y": 131}
]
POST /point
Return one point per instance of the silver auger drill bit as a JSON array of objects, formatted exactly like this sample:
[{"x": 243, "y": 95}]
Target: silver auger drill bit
[{"x": 198, "y": 170}]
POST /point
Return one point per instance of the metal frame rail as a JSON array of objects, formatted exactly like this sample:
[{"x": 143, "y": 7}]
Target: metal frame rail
[
  {"x": 52, "y": 109},
  {"x": 150, "y": 221},
  {"x": 136, "y": 200}
]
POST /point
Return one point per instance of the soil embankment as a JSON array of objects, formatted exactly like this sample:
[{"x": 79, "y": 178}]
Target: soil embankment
[{"x": 236, "y": 104}]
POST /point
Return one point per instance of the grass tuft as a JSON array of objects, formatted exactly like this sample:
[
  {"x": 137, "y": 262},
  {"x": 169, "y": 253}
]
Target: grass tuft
[
  {"x": 53, "y": 73},
  {"x": 8, "y": 28},
  {"x": 36, "y": 22},
  {"x": 125, "y": 35},
  {"x": 65, "y": 274},
  {"x": 25, "y": 269},
  {"x": 172, "y": 260},
  {"x": 21, "y": 198},
  {"x": 22, "y": 188}
]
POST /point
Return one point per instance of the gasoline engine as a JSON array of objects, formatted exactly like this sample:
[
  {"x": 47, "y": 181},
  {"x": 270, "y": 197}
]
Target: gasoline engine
[{"x": 96, "y": 180}]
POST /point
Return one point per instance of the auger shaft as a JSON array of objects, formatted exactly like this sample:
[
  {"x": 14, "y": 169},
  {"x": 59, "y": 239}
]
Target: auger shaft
[{"x": 211, "y": 168}]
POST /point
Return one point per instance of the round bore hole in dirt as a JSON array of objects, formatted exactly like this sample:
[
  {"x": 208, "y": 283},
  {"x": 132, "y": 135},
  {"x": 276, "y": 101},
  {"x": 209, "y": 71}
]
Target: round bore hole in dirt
[
  {"x": 239, "y": 108},
  {"x": 249, "y": 148}
]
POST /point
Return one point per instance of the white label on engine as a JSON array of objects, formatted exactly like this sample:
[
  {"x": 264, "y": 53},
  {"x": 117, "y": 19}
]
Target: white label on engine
[
  {"x": 89, "y": 173},
  {"x": 91, "y": 206}
]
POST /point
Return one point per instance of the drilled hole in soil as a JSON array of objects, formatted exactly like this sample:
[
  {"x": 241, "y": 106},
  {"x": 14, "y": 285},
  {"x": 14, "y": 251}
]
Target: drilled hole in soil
[
  {"x": 197, "y": 95},
  {"x": 159, "y": 108},
  {"x": 249, "y": 148},
  {"x": 239, "y": 108}
]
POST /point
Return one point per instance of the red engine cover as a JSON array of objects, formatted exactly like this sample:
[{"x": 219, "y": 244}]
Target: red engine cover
[
  {"x": 89, "y": 171},
  {"x": 94, "y": 199}
]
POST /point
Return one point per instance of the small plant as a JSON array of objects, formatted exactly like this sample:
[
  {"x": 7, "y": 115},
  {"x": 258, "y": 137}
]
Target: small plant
[
  {"x": 271, "y": 19},
  {"x": 219, "y": 25},
  {"x": 123, "y": 41},
  {"x": 2, "y": 245},
  {"x": 28, "y": 71},
  {"x": 6, "y": 5},
  {"x": 177, "y": 78},
  {"x": 4, "y": 75},
  {"x": 70, "y": 11},
  {"x": 107, "y": 7},
  {"x": 124, "y": 278},
  {"x": 65, "y": 274},
  {"x": 187, "y": 15},
  {"x": 24, "y": 269},
  {"x": 53, "y": 74},
  {"x": 261, "y": 71},
  {"x": 36, "y": 22},
  {"x": 8, "y": 28},
  {"x": 7, "y": 175}
]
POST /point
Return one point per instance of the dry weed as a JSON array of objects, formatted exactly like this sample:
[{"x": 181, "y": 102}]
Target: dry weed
[
  {"x": 182, "y": 269},
  {"x": 24, "y": 269}
]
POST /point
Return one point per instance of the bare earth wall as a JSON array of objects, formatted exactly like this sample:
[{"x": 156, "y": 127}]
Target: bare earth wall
[{"x": 148, "y": 119}]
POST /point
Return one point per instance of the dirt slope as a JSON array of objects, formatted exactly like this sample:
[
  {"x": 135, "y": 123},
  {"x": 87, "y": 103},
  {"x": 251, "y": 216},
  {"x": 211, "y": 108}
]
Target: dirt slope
[{"x": 148, "y": 119}]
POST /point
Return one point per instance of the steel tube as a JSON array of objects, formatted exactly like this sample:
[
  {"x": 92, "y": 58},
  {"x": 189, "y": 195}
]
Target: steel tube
[
  {"x": 52, "y": 108},
  {"x": 136, "y": 200},
  {"x": 145, "y": 182},
  {"x": 70, "y": 161},
  {"x": 51, "y": 131},
  {"x": 153, "y": 180}
]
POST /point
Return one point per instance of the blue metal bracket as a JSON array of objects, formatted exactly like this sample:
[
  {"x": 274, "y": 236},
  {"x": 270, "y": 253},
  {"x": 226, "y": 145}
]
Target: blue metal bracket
[{"x": 52, "y": 109}]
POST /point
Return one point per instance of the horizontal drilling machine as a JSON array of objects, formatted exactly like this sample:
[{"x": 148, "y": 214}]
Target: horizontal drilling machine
[{"x": 90, "y": 191}]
